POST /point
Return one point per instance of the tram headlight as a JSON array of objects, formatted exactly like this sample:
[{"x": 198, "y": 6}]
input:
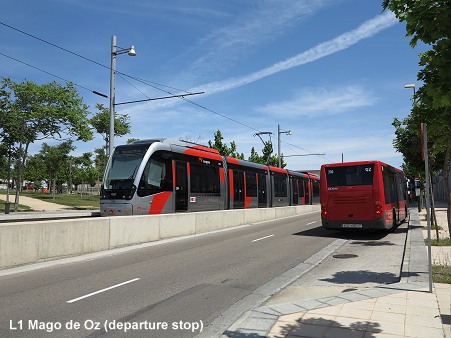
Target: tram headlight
[
  {"x": 102, "y": 193},
  {"x": 130, "y": 193}
]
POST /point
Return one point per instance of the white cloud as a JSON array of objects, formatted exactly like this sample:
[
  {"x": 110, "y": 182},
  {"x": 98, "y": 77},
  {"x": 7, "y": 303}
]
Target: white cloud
[
  {"x": 343, "y": 41},
  {"x": 321, "y": 101}
]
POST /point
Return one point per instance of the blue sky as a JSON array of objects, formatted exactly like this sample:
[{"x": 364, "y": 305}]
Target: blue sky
[{"x": 331, "y": 71}]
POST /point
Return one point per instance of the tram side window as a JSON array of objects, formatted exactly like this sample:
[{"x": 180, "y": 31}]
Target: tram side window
[
  {"x": 251, "y": 184},
  {"x": 302, "y": 185},
  {"x": 204, "y": 179},
  {"x": 280, "y": 186},
  {"x": 156, "y": 177},
  {"x": 212, "y": 175}
]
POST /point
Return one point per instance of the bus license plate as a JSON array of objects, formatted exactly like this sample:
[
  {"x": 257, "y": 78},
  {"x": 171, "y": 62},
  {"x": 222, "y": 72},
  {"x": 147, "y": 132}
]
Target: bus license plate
[{"x": 352, "y": 225}]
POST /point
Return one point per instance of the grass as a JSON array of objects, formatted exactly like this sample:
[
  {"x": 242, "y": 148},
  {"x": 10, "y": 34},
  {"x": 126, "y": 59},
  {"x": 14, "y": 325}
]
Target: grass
[
  {"x": 441, "y": 274},
  {"x": 22, "y": 208},
  {"x": 440, "y": 242},
  {"x": 76, "y": 201}
]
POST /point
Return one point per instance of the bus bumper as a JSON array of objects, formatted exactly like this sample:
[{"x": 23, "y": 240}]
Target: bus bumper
[{"x": 379, "y": 223}]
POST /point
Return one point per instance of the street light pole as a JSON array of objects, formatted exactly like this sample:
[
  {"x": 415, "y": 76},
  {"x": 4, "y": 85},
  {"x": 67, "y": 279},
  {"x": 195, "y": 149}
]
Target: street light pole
[
  {"x": 428, "y": 202},
  {"x": 112, "y": 90},
  {"x": 131, "y": 52},
  {"x": 286, "y": 132}
]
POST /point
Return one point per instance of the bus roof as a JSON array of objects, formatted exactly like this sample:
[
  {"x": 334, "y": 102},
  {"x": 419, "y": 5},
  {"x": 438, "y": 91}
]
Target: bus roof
[{"x": 348, "y": 164}]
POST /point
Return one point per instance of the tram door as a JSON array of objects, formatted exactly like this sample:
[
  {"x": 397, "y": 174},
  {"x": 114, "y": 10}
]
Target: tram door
[
  {"x": 262, "y": 199},
  {"x": 181, "y": 188},
  {"x": 238, "y": 189},
  {"x": 295, "y": 189}
]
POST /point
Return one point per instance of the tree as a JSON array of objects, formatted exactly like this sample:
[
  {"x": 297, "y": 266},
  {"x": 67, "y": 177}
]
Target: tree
[
  {"x": 428, "y": 21},
  {"x": 223, "y": 149},
  {"x": 55, "y": 163},
  {"x": 36, "y": 112},
  {"x": 266, "y": 158},
  {"x": 101, "y": 123},
  {"x": 83, "y": 170},
  {"x": 101, "y": 159}
]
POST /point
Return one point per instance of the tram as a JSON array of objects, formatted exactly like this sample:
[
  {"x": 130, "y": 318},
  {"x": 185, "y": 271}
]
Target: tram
[{"x": 165, "y": 176}]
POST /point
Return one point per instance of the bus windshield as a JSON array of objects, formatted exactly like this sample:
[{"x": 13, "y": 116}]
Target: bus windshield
[
  {"x": 350, "y": 176},
  {"x": 123, "y": 167}
]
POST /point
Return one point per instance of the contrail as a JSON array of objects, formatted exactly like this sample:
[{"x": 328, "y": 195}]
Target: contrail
[{"x": 341, "y": 42}]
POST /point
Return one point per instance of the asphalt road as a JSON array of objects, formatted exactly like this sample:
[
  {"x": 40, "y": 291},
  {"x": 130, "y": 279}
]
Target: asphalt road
[
  {"x": 177, "y": 288},
  {"x": 180, "y": 286}
]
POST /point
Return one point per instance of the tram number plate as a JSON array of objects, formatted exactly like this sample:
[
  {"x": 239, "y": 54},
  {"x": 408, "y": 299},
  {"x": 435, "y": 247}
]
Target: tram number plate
[{"x": 347, "y": 225}]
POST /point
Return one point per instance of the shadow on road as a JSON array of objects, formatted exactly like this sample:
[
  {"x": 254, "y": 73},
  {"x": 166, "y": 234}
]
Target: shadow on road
[{"x": 354, "y": 234}]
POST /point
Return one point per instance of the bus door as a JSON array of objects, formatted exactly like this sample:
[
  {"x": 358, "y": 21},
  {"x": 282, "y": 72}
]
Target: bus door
[
  {"x": 262, "y": 197},
  {"x": 238, "y": 189},
  {"x": 391, "y": 195},
  {"x": 181, "y": 187}
]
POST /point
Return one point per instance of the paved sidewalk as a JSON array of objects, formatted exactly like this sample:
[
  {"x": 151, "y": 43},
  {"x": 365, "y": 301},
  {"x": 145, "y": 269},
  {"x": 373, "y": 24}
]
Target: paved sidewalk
[
  {"x": 37, "y": 204},
  {"x": 404, "y": 309}
]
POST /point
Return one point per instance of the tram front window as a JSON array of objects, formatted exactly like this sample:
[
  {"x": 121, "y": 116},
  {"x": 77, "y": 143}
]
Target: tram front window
[{"x": 123, "y": 167}]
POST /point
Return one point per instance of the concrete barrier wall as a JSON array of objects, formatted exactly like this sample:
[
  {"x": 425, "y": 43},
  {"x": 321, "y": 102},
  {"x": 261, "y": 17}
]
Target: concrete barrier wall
[{"x": 29, "y": 242}]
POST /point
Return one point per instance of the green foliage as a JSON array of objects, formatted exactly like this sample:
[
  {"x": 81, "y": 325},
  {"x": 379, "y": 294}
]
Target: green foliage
[
  {"x": 76, "y": 201},
  {"x": 53, "y": 163},
  {"x": 44, "y": 111},
  {"x": 101, "y": 123},
  {"x": 223, "y": 149},
  {"x": 32, "y": 112},
  {"x": 428, "y": 21},
  {"x": 82, "y": 170},
  {"x": 441, "y": 274},
  {"x": 266, "y": 158},
  {"x": 101, "y": 159},
  {"x": 440, "y": 242}
]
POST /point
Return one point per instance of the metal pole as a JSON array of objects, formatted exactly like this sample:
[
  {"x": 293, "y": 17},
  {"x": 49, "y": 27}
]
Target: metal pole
[
  {"x": 278, "y": 145},
  {"x": 428, "y": 203},
  {"x": 112, "y": 93}
]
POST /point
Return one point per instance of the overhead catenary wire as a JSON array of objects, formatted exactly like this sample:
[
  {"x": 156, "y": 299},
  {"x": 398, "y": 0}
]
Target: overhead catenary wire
[
  {"x": 54, "y": 75},
  {"x": 155, "y": 84},
  {"x": 152, "y": 84}
]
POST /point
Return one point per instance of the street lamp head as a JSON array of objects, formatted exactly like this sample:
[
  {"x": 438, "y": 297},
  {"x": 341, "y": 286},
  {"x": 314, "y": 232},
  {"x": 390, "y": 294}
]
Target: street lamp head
[
  {"x": 131, "y": 51},
  {"x": 411, "y": 85},
  {"x": 289, "y": 132}
]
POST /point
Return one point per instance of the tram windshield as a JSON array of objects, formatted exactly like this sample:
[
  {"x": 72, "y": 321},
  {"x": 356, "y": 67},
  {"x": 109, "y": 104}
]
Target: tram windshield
[{"x": 123, "y": 167}]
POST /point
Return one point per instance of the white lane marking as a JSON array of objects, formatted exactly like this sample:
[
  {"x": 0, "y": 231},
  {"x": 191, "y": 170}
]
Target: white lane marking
[
  {"x": 100, "y": 291},
  {"x": 311, "y": 223},
  {"x": 259, "y": 239}
]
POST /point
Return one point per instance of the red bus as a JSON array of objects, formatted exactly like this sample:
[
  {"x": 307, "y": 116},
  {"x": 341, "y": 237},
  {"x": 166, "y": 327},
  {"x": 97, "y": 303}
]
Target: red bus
[{"x": 364, "y": 194}]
